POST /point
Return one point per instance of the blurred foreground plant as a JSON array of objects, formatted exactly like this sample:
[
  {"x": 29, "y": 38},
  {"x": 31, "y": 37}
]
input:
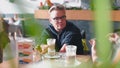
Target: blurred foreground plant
[{"x": 4, "y": 39}]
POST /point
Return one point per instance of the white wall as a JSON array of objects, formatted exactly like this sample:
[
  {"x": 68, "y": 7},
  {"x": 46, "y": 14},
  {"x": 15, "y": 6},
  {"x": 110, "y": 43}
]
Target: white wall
[
  {"x": 20, "y": 6},
  {"x": 27, "y": 6}
]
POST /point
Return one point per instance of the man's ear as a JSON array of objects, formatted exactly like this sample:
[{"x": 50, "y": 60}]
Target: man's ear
[{"x": 49, "y": 19}]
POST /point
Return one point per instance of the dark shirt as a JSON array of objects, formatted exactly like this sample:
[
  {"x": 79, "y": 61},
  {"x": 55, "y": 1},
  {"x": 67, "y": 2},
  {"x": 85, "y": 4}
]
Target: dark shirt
[{"x": 70, "y": 35}]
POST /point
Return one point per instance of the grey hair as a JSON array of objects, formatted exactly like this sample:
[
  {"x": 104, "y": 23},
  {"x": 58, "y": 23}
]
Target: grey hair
[{"x": 56, "y": 7}]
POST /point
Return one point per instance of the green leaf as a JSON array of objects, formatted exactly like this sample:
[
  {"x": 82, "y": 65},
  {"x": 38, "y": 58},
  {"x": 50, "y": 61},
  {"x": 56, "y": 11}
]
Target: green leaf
[{"x": 4, "y": 40}]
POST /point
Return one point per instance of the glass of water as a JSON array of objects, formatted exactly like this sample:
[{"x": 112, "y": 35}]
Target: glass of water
[
  {"x": 51, "y": 46},
  {"x": 70, "y": 54}
]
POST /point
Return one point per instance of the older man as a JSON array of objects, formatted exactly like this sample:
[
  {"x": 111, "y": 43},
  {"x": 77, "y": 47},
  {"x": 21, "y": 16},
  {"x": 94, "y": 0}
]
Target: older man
[{"x": 63, "y": 31}]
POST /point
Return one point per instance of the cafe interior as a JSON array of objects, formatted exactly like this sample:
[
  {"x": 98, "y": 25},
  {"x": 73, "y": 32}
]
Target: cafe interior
[{"x": 98, "y": 22}]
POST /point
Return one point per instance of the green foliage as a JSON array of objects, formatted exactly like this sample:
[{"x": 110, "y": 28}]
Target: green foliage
[
  {"x": 11, "y": 1},
  {"x": 31, "y": 26},
  {"x": 44, "y": 7},
  {"x": 117, "y": 30},
  {"x": 92, "y": 4},
  {"x": 4, "y": 40},
  {"x": 114, "y": 7},
  {"x": 117, "y": 65}
]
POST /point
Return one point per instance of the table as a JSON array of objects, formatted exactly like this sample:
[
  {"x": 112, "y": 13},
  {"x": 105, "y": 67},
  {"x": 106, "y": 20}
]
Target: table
[{"x": 13, "y": 63}]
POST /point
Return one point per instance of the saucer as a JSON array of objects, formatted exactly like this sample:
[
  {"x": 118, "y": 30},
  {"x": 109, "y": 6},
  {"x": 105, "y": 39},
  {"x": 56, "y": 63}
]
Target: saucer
[
  {"x": 76, "y": 64},
  {"x": 60, "y": 63},
  {"x": 52, "y": 57}
]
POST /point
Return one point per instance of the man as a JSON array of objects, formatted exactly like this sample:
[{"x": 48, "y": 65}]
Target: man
[{"x": 63, "y": 31}]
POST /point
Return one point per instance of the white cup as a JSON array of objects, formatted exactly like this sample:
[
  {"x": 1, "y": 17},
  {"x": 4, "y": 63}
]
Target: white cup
[
  {"x": 51, "y": 46},
  {"x": 70, "y": 54}
]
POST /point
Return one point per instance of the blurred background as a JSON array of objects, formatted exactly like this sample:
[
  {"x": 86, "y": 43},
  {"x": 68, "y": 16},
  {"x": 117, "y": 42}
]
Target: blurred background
[{"x": 26, "y": 10}]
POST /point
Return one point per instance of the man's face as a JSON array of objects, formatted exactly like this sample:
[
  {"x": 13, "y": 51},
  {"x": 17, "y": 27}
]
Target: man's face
[{"x": 58, "y": 19}]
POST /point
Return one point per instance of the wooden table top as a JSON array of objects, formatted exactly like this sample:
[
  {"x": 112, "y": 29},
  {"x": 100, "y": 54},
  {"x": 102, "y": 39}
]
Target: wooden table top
[{"x": 13, "y": 63}]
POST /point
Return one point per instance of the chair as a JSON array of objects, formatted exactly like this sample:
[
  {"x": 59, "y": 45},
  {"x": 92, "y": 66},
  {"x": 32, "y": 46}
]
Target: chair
[
  {"x": 14, "y": 28},
  {"x": 86, "y": 49}
]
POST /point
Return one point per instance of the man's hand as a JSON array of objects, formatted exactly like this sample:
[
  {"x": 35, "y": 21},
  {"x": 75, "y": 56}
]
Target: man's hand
[
  {"x": 63, "y": 49},
  {"x": 93, "y": 49},
  {"x": 113, "y": 37}
]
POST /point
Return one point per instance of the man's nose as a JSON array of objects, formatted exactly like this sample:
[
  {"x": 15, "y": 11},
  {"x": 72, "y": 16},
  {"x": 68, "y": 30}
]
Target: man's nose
[{"x": 59, "y": 20}]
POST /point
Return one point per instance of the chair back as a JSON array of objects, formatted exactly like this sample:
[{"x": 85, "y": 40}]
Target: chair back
[{"x": 86, "y": 49}]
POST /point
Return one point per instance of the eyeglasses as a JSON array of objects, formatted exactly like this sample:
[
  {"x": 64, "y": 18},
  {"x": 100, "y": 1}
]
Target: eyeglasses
[{"x": 57, "y": 18}]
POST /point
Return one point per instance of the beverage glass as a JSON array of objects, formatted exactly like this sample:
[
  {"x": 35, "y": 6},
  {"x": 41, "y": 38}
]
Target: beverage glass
[
  {"x": 51, "y": 46},
  {"x": 36, "y": 56},
  {"x": 70, "y": 54}
]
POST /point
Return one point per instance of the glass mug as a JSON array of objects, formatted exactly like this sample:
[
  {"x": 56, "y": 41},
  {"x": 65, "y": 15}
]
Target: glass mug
[
  {"x": 70, "y": 54},
  {"x": 51, "y": 46}
]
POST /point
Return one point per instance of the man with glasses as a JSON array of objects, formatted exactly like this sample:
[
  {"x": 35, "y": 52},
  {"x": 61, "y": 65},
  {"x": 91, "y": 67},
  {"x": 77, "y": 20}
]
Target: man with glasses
[{"x": 63, "y": 31}]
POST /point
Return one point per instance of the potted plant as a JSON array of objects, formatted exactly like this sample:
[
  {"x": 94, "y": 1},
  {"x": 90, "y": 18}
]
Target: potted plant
[{"x": 4, "y": 39}]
